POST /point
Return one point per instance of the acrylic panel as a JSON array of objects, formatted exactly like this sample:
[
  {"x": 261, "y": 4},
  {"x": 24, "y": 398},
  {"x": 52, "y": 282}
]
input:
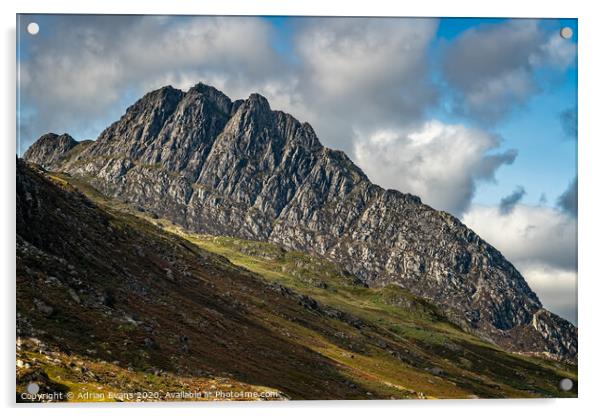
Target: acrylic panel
[{"x": 295, "y": 208}]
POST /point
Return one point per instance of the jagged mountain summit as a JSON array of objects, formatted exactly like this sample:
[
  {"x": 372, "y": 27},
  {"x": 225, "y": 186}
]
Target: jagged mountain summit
[
  {"x": 49, "y": 149},
  {"x": 240, "y": 169}
]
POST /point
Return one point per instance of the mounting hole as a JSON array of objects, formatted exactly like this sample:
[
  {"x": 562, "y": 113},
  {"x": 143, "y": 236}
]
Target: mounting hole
[
  {"x": 33, "y": 388},
  {"x": 566, "y": 32},
  {"x": 33, "y": 28},
  {"x": 566, "y": 384}
]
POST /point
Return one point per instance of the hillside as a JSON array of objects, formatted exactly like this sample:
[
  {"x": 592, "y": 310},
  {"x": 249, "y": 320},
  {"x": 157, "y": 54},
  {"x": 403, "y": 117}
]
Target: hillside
[{"x": 112, "y": 298}]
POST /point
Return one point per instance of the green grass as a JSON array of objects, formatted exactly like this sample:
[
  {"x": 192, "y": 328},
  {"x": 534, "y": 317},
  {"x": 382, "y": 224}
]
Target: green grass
[{"x": 397, "y": 314}]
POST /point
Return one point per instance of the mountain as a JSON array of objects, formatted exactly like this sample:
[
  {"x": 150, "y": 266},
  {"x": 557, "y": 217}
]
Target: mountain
[
  {"x": 240, "y": 169},
  {"x": 112, "y": 301}
]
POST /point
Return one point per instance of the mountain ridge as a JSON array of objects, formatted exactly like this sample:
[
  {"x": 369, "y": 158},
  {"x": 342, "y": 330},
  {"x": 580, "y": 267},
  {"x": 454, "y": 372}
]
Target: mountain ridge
[{"x": 239, "y": 169}]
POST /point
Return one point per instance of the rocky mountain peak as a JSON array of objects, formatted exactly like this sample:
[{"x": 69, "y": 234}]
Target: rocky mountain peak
[
  {"x": 252, "y": 114},
  {"x": 49, "y": 149},
  {"x": 163, "y": 98},
  {"x": 213, "y": 95},
  {"x": 240, "y": 169},
  {"x": 258, "y": 102}
]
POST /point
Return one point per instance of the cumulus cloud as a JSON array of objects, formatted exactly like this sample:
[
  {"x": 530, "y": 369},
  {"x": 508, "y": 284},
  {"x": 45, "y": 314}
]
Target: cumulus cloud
[
  {"x": 440, "y": 163},
  {"x": 508, "y": 202},
  {"x": 362, "y": 74},
  {"x": 568, "y": 199},
  {"x": 541, "y": 242},
  {"x": 491, "y": 67}
]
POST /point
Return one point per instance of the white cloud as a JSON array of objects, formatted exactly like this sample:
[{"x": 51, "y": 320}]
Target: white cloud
[
  {"x": 556, "y": 52},
  {"x": 438, "y": 162},
  {"x": 493, "y": 97},
  {"x": 362, "y": 74},
  {"x": 353, "y": 56},
  {"x": 541, "y": 242}
]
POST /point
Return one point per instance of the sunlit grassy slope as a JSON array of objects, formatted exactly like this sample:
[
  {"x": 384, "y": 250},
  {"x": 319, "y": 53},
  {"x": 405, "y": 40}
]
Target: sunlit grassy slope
[{"x": 452, "y": 358}]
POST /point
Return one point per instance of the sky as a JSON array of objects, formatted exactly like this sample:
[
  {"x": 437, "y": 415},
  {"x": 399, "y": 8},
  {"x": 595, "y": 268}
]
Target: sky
[{"x": 478, "y": 117}]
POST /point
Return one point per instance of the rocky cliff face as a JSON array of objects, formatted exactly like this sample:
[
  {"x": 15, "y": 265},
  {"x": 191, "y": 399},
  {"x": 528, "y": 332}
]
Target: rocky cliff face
[{"x": 241, "y": 169}]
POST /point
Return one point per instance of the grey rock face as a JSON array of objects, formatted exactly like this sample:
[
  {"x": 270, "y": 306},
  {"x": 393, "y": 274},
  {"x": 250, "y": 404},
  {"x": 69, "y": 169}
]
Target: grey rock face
[
  {"x": 49, "y": 149},
  {"x": 241, "y": 169}
]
